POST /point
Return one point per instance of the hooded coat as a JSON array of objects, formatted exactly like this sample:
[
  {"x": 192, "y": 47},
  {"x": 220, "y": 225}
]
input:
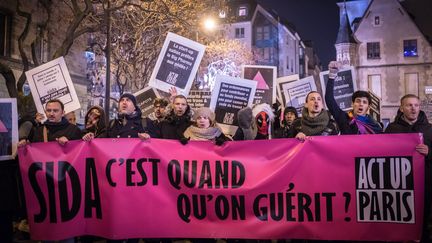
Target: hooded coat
[{"x": 99, "y": 129}]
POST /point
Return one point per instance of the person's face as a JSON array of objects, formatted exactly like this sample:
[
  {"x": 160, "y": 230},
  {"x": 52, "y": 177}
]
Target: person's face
[
  {"x": 203, "y": 122},
  {"x": 71, "y": 117},
  {"x": 180, "y": 106},
  {"x": 314, "y": 103},
  {"x": 410, "y": 108},
  {"x": 54, "y": 112},
  {"x": 289, "y": 117},
  {"x": 126, "y": 106},
  {"x": 360, "y": 106},
  {"x": 93, "y": 118},
  {"x": 159, "y": 110}
]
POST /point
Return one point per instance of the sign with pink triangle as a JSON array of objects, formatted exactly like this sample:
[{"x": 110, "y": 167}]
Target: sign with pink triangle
[{"x": 265, "y": 76}]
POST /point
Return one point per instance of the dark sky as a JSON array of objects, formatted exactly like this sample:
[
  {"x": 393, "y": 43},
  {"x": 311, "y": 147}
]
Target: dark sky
[{"x": 316, "y": 20}]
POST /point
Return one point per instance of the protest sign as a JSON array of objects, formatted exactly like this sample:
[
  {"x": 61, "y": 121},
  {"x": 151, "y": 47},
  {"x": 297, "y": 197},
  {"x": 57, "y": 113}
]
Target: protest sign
[
  {"x": 295, "y": 92},
  {"x": 375, "y": 106},
  {"x": 281, "y": 81},
  {"x": 177, "y": 64},
  {"x": 52, "y": 81},
  {"x": 8, "y": 128},
  {"x": 257, "y": 189},
  {"x": 345, "y": 86},
  {"x": 230, "y": 95},
  {"x": 265, "y": 76},
  {"x": 199, "y": 98},
  {"x": 145, "y": 99}
]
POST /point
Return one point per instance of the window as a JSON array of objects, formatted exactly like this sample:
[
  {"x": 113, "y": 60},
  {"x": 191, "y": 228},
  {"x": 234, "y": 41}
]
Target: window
[
  {"x": 377, "y": 20},
  {"x": 373, "y": 50},
  {"x": 410, "y": 48},
  {"x": 5, "y": 33},
  {"x": 242, "y": 11},
  {"x": 288, "y": 61},
  {"x": 259, "y": 33},
  {"x": 411, "y": 83},
  {"x": 266, "y": 32},
  {"x": 239, "y": 33},
  {"x": 374, "y": 82}
]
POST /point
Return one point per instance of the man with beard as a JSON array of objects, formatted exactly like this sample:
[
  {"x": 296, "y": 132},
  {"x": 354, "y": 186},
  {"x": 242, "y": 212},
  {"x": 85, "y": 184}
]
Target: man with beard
[
  {"x": 56, "y": 128},
  {"x": 177, "y": 121},
  {"x": 315, "y": 120},
  {"x": 129, "y": 123},
  {"x": 410, "y": 119},
  {"x": 156, "y": 117}
]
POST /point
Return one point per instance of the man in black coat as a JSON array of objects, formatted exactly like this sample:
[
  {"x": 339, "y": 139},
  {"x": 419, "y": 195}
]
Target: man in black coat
[
  {"x": 179, "y": 119},
  {"x": 410, "y": 119},
  {"x": 129, "y": 123},
  {"x": 55, "y": 128}
]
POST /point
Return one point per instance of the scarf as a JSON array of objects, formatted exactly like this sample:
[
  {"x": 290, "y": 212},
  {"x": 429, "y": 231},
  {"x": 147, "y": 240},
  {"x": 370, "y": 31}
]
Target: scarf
[
  {"x": 123, "y": 118},
  {"x": 365, "y": 124},
  {"x": 202, "y": 134},
  {"x": 314, "y": 125}
]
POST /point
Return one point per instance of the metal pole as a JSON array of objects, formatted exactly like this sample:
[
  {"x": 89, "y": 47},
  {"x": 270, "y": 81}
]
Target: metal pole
[{"x": 108, "y": 64}]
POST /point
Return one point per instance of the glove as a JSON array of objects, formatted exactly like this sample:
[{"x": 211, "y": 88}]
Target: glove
[
  {"x": 333, "y": 69},
  {"x": 219, "y": 141},
  {"x": 184, "y": 140}
]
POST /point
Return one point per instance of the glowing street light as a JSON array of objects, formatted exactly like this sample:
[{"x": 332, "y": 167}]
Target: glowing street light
[{"x": 209, "y": 24}]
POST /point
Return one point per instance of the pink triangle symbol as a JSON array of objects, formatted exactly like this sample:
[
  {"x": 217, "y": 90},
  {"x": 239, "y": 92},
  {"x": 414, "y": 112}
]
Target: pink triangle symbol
[
  {"x": 3, "y": 127},
  {"x": 261, "y": 82}
]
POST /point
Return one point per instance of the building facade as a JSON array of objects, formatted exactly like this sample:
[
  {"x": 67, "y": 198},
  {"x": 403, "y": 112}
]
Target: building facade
[
  {"x": 391, "y": 53},
  {"x": 273, "y": 40}
]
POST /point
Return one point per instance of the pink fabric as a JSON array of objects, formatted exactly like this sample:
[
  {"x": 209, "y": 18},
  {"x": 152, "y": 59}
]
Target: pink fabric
[{"x": 321, "y": 168}]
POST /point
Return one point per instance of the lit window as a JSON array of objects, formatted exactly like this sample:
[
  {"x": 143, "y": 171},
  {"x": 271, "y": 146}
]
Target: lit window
[
  {"x": 373, "y": 50},
  {"x": 259, "y": 33},
  {"x": 410, "y": 48},
  {"x": 239, "y": 33},
  {"x": 266, "y": 32},
  {"x": 242, "y": 11}
]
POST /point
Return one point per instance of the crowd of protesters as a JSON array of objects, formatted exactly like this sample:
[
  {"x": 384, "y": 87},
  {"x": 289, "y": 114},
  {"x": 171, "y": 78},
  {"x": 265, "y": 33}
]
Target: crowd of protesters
[{"x": 175, "y": 119}]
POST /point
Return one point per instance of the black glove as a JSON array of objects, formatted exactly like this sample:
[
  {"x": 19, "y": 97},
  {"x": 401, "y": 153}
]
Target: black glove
[
  {"x": 184, "y": 140},
  {"x": 219, "y": 141}
]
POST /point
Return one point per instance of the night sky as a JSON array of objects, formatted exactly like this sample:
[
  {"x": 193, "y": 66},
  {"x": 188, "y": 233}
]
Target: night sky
[{"x": 316, "y": 20}]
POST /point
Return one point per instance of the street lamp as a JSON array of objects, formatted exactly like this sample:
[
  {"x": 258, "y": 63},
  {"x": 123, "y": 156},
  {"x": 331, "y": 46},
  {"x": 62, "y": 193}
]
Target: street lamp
[{"x": 209, "y": 24}]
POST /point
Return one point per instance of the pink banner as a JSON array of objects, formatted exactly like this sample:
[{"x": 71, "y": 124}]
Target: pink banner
[{"x": 367, "y": 187}]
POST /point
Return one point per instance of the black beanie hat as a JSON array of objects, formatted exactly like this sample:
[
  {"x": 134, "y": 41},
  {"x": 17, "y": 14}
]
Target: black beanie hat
[
  {"x": 291, "y": 109},
  {"x": 132, "y": 98}
]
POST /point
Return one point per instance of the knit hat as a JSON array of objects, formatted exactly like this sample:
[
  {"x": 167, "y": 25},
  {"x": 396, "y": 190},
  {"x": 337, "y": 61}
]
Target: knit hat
[
  {"x": 132, "y": 98},
  {"x": 291, "y": 109},
  {"x": 204, "y": 112}
]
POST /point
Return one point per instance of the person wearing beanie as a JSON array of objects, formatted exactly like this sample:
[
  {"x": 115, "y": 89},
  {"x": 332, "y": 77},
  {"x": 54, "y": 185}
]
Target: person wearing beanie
[
  {"x": 289, "y": 116},
  {"x": 356, "y": 121},
  {"x": 204, "y": 128},
  {"x": 315, "y": 120},
  {"x": 129, "y": 123}
]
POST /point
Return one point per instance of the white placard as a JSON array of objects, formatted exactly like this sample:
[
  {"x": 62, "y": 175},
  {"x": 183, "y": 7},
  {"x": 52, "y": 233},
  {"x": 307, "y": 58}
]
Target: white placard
[
  {"x": 52, "y": 81},
  {"x": 230, "y": 95},
  {"x": 295, "y": 92},
  {"x": 281, "y": 81},
  {"x": 177, "y": 64},
  {"x": 8, "y": 128},
  {"x": 344, "y": 86}
]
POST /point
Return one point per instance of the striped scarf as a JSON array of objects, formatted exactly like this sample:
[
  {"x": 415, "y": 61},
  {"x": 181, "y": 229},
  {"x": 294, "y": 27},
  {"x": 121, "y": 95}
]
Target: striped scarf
[{"x": 365, "y": 124}]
